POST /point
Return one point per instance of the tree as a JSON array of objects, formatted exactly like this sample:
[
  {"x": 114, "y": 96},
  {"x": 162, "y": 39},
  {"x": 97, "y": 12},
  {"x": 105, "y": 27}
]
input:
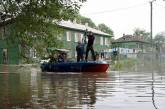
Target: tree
[
  {"x": 34, "y": 23},
  {"x": 83, "y": 20},
  {"x": 159, "y": 40},
  {"x": 142, "y": 32},
  {"x": 105, "y": 29}
]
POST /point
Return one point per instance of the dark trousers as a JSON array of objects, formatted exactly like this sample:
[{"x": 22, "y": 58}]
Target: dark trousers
[
  {"x": 90, "y": 48},
  {"x": 80, "y": 57},
  {"x": 102, "y": 55}
]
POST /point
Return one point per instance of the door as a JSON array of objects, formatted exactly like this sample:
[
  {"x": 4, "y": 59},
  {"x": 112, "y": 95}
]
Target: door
[{"x": 4, "y": 56}]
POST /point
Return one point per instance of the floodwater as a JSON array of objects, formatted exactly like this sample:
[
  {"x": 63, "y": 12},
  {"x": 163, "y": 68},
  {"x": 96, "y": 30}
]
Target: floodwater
[{"x": 31, "y": 89}]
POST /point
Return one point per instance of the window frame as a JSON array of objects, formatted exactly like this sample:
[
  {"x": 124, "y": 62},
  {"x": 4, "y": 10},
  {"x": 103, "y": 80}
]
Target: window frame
[
  {"x": 101, "y": 41},
  {"x": 106, "y": 41},
  {"x": 68, "y": 36}
]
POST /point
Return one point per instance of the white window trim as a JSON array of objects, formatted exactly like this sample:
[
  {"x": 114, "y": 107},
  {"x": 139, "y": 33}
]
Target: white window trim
[
  {"x": 75, "y": 54},
  {"x": 82, "y": 36},
  {"x": 76, "y": 37},
  {"x": 106, "y": 41},
  {"x": 101, "y": 41},
  {"x": 33, "y": 53},
  {"x": 68, "y": 36}
]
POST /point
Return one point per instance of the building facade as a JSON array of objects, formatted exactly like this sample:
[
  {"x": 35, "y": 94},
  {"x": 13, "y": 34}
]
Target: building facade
[
  {"x": 130, "y": 45},
  {"x": 75, "y": 32},
  {"x": 10, "y": 53}
]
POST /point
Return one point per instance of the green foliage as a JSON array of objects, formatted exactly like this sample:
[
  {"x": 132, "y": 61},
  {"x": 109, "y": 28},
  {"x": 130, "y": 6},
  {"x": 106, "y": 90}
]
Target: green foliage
[
  {"x": 117, "y": 66},
  {"x": 159, "y": 40},
  {"x": 35, "y": 22},
  {"x": 83, "y": 20},
  {"x": 126, "y": 64},
  {"x": 105, "y": 29},
  {"x": 142, "y": 32}
]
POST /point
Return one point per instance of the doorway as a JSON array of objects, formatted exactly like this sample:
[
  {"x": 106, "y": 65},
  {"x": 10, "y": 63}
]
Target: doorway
[{"x": 5, "y": 56}]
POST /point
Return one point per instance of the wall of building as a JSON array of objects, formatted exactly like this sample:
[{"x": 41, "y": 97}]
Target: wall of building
[
  {"x": 12, "y": 50},
  {"x": 12, "y": 53},
  {"x": 71, "y": 45}
]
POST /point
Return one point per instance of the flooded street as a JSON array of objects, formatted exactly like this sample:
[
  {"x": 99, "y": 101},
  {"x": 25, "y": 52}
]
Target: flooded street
[{"x": 31, "y": 89}]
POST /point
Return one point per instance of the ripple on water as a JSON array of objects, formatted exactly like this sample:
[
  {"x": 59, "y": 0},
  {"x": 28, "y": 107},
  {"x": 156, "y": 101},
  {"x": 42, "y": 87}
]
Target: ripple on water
[{"x": 112, "y": 90}]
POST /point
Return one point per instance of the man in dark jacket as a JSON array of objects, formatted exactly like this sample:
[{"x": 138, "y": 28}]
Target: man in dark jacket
[
  {"x": 89, "y": 47},
  {"x": 80, "y": 51}
]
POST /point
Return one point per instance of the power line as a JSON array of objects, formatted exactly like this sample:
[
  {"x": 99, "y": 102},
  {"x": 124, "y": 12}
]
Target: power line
[{"x": 117, "y": 9}]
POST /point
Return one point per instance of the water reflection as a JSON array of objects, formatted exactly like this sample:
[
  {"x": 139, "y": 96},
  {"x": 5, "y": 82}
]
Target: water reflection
[
  {"x": 14, "y": 92},
  {"x": 68, "y": 90},
  {"x": 153, "y": 91},
  {"x": 112, "y": 90}
]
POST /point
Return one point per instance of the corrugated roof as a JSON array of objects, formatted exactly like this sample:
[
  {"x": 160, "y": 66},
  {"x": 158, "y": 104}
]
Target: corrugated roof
[{"x": 71, "y": 25}]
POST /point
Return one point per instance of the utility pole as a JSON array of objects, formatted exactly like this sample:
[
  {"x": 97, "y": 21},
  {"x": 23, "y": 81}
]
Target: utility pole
[
  {"x": 151, "y": 18},
  {"x": 151, "y": 32},
  {"x": 151, "y": 24},
  {"x": 153, "y": 79}
]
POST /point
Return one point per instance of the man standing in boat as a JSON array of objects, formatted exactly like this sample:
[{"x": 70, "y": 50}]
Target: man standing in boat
[
  {"x": 89, "y": 47},
  {"x": 80, "y": 51}
]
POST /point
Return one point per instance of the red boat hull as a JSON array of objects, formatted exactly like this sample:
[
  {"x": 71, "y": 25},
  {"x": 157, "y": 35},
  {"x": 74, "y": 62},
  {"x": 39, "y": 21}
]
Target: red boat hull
[{"x": 97, "y": 68}]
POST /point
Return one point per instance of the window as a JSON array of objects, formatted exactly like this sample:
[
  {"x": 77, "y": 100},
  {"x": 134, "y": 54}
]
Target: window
[
  {"x": 75, "y": 54},
  {"x": 81, "y": 35},
  {"x": 5, "y": 56},
  {"x": 78, "y": 37},
  {"x": 101, "y": 41},
  {"x": 33, "y": 53},
  {"x": 106, "y": 41},
  {"x": 68, "y": 36}
]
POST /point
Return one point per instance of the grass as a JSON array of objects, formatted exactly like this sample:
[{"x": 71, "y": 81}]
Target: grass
[{"x": 123, "y": 64}]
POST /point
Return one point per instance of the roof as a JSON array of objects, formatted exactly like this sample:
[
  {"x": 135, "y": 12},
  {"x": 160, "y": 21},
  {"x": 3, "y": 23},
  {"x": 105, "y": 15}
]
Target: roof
[
  {"x": 130, "y": 38},
  {"x": 80, "y": 27}
]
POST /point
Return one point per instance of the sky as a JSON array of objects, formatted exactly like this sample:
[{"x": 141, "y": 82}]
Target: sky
[{"x": 123, "y": 16}]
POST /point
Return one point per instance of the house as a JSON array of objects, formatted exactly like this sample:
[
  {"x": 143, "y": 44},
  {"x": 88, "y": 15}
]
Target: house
[
  {"x": 9, "y": 53},
  {"x": 130, "y": 45},
  {"x": 73, "y": 33}
]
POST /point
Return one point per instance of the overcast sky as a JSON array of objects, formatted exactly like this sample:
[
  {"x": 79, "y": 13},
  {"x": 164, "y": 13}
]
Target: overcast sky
[{"x": 123, "y": 16}]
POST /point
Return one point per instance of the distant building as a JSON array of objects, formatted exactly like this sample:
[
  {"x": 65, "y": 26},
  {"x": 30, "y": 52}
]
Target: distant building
[{"x": 130, "y": 45}]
